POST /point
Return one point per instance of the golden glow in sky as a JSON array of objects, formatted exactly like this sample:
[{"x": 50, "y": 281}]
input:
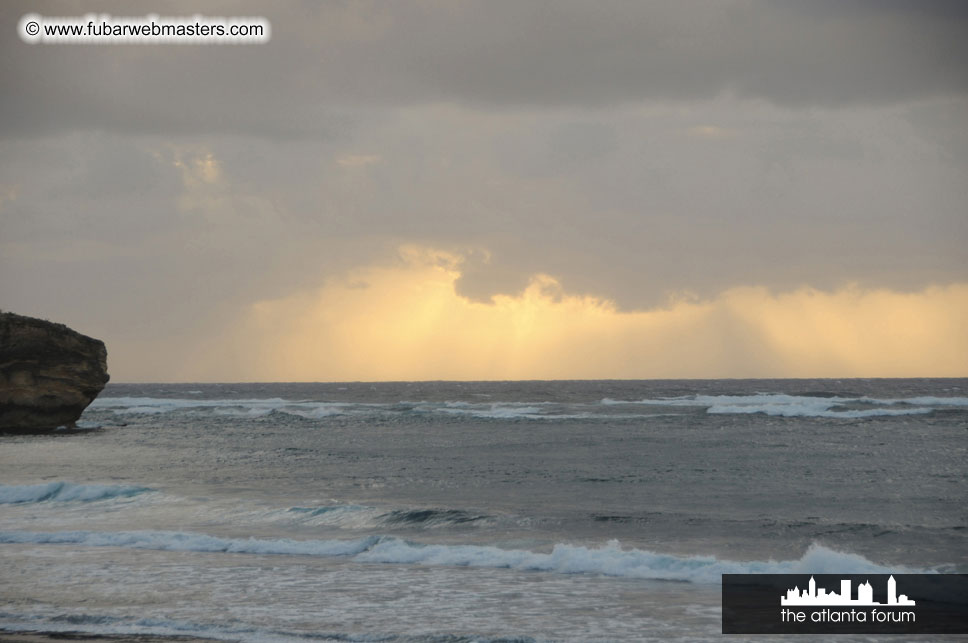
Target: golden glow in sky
[{"x": 406, "y": 322}]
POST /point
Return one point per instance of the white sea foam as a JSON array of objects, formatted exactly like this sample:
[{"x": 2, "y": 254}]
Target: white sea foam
[
  {"x": 65, "y": 492},
  {"x": 809, "y": 410},
  {"x": 316, "y": 411},
  {"x": 529, "y": 411},
  {"x": 253, "y": 408},
  {"x": 607, "y": 401},
  {"x": 612, "y": 560},
  {"x": 925, "y": 401},
  {"x": 784, "y": 405},
  {"x": 240, "y": 408},
  {"x": 774, "y": 404},
  {"x": 608, "y": 560},
  {"x": 498, "y": 411}
]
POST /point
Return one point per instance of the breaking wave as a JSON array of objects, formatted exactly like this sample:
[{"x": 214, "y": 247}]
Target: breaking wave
[
  {"x": 612, "y": 560},
  {"x": 238, "y": 408},
  {"x": 65, "y": 492},
  {"x": 360, "y": 516},
  {"x": 256, "y": 408},
  {"x": 608, "y": 560},
  {"x": 925, "y": 400},
  {"x": 431, "y": 517},
  {"x": 810, "y": 404},
  {"x": 191, "y": 542},
  {"x": 806, "y": 405}
]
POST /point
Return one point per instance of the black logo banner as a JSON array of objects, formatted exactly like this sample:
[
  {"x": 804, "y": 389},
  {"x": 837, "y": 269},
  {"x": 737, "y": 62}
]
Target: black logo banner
[{"x": 845, "y": 604}]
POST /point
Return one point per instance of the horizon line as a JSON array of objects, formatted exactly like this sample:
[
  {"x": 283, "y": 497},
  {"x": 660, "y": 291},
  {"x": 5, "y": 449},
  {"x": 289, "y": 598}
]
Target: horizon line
[{"x": 500, "y": 381}]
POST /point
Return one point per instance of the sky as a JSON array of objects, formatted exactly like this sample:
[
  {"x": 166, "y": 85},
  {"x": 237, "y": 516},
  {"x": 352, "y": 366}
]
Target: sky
[{"x": 499, "y": 189}]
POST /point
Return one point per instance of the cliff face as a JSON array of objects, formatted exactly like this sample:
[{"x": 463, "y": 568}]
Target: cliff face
[{"x": 48, "y": 373}]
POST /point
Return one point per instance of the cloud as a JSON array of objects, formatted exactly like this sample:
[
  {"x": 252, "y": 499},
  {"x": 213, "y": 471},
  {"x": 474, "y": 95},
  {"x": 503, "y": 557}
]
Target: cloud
[
  {"x": 629, "y": 152},
  {"x": 712, "y": 132},
  {"x": 327, "y": 60},
  {"x": 8, "y": 194},
  {"x": 200, "y": 169},
  {"x": 187, "y": 231},
  {"x": 410, "y": 324},
  {"x": 359, "y": 160}
]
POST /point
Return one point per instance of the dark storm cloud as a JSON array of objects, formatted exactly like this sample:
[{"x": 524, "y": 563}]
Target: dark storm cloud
[
  {"x": 599, "y": 53},
  {"x": 265, "y": 90},
  {"x": 327, "y": 59}
]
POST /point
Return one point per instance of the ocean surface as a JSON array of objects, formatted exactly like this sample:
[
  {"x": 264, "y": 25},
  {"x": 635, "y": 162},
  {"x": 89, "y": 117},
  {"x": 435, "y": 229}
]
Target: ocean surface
[{"x": 444, "y": 511}]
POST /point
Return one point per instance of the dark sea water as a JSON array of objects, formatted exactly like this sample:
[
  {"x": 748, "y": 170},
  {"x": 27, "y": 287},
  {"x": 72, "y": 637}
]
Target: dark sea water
[{"x": 576, "y": 511}]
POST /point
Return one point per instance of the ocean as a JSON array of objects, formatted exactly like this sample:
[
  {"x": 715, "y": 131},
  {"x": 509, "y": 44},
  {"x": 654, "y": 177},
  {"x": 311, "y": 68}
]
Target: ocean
[{"x": 471, "y": 511}]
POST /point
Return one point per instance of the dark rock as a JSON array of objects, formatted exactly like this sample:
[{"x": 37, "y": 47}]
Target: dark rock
[{"x": 48, "y": 373}]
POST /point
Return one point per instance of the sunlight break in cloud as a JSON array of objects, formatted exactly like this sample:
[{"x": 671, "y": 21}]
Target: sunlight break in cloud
[{"x": 408, "y": 323}]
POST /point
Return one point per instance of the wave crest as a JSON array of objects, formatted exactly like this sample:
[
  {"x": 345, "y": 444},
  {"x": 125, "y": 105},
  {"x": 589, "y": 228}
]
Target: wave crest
[
  {"x": 612, "y": 560},
  {"x": 65, "y": 492},
  {"x": 825, "y": 405},
  {"x": 608, "y": 560}
]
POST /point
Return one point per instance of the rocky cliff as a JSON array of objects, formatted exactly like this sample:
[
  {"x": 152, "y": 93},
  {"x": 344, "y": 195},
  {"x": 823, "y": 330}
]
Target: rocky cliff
[{"x": 48, "y": 373}]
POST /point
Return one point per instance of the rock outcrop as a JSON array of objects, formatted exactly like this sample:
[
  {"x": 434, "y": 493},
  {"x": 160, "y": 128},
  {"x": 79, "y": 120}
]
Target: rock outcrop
[{"x": 48, "y": 373}]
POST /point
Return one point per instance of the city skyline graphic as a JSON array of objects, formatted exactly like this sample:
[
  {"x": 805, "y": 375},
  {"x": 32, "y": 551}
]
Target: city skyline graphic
[{"x": 812, "y": 595}]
